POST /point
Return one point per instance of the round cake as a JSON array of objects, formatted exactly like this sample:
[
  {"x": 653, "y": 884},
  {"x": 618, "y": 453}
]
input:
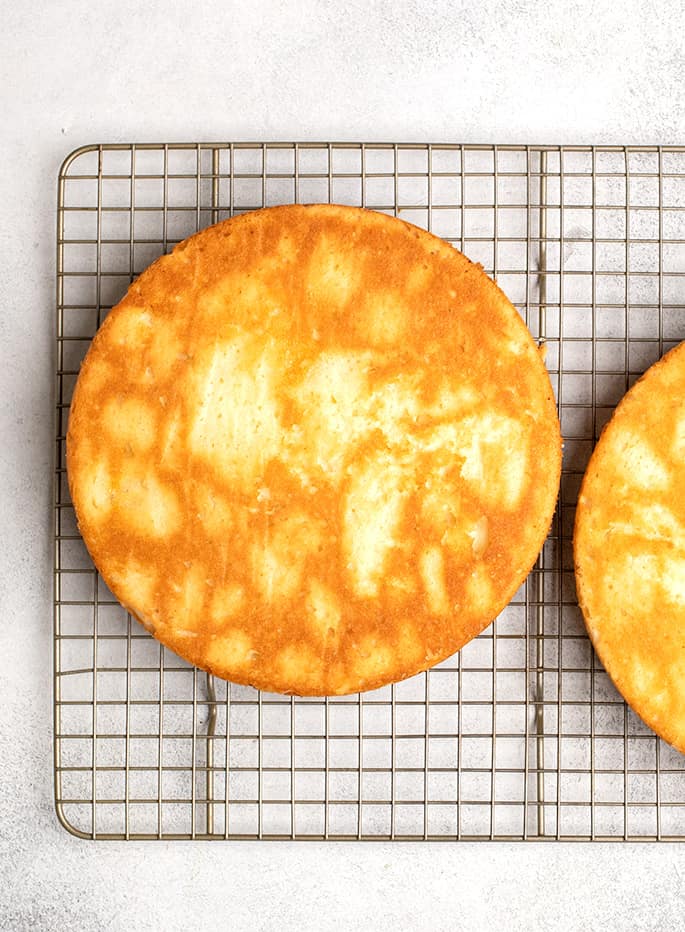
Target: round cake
[
  {"x": 629, "y": 545},
  {"x": 314, "y": 449}
]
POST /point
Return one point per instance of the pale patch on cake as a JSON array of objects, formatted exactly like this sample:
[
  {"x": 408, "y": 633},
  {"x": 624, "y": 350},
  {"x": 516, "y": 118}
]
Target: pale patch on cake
[
  {"x": 230, "y": 652},
  {"x": 332, "y": 276},
  {"x": 298, "y": 664},
  {"x": 187, "y": 594},
  {"x": 372, "y": 514},
  {"x": 495, "y": 451},
  {"x": 164, "y": 352},
  {"x": 212, "y": 510},
  {"x": 246, "y": 299},
  {"x": 278, "y": 562},
  {"x": 136, "y": 585},
  {"x": 678, "y": 444},
  {"x": 443, "y": 510},
  {"x": 458, "y": 541},
  {"x": 518, "y": 346},
  {"x": 432, "y": 569},
  {"x": 451, "y": 400},
  {"x": 479, "y": 535},
  {"x": 101, "y": 375},
  {"x": 382, "y": 319},
  {"x": 440, "y": 506},
  {"x": 673, "y": 578},
  {"x": 149, "y": 507},
  {"x": 653, "y": 522},
  {"x": 660, "y": 521},
  {"x": 479, "y": 590},
  {"x": 324, "y": 609},
  {"x": 131, "y": 423},
  {"x": 400, "y": 588},
  {"x": 236, "y": 426},
  {"x": 95, "y": 485},
  {"x": 226, "y": 602},
  {"x": 630, "y": 583},
  {"x": 373, "y": 657},
  {"x": 395, "y": 406},
  {"x": 131, "y": 326},
  {"x": 638, "y": 463},
  {"x": 287, "y": 248},
  {"x": 410, "y": 647},
  {"x": 445, "y": 441},
  {"x": 173, "y": 449},
  {"x": 647, "y": 681},
  {"x": 274, "y": 574},
  {"x": 418, "y": 278},
  {"x": 332, "y": 398}
]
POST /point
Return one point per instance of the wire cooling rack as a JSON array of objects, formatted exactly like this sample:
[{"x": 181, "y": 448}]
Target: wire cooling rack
[{"x": 519, "y": 736}]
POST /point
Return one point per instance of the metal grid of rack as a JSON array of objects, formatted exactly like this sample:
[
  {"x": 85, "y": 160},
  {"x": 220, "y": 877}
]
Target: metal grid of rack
[{"x": 521, "y": 735}]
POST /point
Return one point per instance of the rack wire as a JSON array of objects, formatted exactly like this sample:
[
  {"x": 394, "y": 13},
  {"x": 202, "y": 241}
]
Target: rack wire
[{"x": 521, "y": 735}]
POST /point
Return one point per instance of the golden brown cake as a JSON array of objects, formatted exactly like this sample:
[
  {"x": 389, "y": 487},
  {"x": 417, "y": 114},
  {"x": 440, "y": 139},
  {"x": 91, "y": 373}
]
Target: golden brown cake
[
  {"x": 629, "y": 547},
  {"x": 315, "y": 449}
]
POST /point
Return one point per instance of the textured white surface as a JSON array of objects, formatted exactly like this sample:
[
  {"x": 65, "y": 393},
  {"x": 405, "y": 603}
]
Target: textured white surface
[{"x": 77, "y": 72}]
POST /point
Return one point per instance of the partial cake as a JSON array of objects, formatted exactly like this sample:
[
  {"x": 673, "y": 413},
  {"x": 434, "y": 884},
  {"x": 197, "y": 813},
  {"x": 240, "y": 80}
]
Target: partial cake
[
  {"x": 630, "y": 547},
  {"x": 315, "y": 450}
]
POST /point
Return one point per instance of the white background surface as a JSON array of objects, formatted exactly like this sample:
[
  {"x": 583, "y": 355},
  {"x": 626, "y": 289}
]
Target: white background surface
[{"x": 78, "y": 72}]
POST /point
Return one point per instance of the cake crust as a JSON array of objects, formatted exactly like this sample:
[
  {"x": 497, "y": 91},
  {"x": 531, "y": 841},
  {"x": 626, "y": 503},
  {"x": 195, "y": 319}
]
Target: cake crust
[
  {"x": 314, "y": 449},
  {"x": 629, "y": 547}
]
